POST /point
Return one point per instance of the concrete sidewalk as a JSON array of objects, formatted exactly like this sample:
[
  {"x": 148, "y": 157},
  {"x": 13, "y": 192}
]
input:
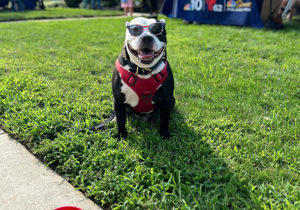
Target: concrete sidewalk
[{"x": 27, "y": 184}]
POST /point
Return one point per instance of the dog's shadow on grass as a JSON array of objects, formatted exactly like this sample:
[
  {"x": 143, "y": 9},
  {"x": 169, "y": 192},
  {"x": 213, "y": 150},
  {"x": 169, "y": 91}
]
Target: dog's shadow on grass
[{"x": 186, "y": 166}]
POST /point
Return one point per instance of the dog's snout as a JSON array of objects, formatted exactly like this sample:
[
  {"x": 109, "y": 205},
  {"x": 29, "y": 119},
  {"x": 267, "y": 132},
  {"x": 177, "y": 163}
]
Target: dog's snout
[{"x": 147, "y": 39}]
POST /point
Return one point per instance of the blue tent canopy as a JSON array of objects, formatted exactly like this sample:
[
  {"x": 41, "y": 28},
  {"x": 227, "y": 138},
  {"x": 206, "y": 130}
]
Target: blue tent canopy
[
  {"x": 3, "y": 3},
  {"x": 29, "y": 4}
]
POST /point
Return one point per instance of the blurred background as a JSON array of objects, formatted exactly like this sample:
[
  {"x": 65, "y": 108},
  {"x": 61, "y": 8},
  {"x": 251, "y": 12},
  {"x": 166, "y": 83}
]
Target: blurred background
[{"x": 139, "y": 5}]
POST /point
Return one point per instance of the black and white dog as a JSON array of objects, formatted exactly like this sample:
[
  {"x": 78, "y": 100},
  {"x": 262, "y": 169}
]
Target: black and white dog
[{"x": 142, "y": 81}]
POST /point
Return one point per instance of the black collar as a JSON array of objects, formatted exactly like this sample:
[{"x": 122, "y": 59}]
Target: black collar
[{"x": 124, "y": 60}]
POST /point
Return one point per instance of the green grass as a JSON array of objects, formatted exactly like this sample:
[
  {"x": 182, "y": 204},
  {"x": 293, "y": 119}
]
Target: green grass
[
  {"x": 235, "y": 128},
  {"x": 51, "y": 13}
]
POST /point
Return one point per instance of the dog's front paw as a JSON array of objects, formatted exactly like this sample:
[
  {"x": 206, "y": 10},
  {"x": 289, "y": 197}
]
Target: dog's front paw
[{"x": 165, "y": 134}]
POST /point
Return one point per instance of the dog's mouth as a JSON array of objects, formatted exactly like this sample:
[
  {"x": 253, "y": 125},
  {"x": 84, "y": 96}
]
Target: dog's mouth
[{"x": 145, "y": 56}]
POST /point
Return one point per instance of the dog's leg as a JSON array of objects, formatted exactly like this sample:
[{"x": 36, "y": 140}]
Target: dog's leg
[
  {"x": 120, "y": 111},
  {"x": 165, "y": 113},
  {"x": 119, "y": 106}
]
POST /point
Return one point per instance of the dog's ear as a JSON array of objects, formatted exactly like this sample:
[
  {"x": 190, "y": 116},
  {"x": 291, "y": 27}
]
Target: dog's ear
[
  {"x": 127, "y": 23},
  {"x": 162, "y": 37}
]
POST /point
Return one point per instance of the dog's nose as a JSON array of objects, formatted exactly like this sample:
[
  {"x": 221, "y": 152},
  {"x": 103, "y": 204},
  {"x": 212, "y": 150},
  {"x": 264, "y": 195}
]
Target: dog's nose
[{"x": 147, "y": 39}]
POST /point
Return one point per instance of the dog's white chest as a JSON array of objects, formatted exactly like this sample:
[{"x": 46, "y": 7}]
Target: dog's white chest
[{"x": 131, "y": 97}]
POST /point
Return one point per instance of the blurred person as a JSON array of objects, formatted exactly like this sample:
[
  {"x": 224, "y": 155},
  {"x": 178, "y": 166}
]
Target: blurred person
[
  {"x": 269, "y": 14},
  {"x": 153, "y": 7},
  {"x": 40, "y": 3},
  {"x": 85, "y": 3},
  {"x": 127, "y": 4},
  {"x": 99, "y": 4},
  {"x": 18, "y": 5},
  {"x": 292, "y": 9}
]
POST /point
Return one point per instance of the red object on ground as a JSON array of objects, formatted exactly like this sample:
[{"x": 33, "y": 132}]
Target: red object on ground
[{"x": 68, "y": 208}]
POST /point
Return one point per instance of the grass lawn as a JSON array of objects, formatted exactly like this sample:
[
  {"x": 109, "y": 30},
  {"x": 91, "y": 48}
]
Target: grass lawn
[
  {"x": 235, "y": 128},
  {"x": 50, "y": 13}
]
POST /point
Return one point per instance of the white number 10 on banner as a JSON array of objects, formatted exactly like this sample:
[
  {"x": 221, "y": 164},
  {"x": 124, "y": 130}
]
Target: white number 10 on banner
[{"x": 197, "y": 4}]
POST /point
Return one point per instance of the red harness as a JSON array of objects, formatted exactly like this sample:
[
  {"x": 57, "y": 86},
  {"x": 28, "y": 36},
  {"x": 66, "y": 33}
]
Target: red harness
[{"x": 144, "y": 88}]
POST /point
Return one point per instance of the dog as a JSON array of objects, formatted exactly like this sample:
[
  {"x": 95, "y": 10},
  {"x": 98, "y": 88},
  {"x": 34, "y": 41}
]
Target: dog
[{"x": 142, "y": 81}]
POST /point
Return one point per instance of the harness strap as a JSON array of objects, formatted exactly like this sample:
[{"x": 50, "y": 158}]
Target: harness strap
[{"x": 144, "y": 88}]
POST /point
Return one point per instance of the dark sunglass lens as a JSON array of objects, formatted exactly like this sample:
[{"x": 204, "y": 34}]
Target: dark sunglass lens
[
  {"x": 135, "y": 30},
  {"x": 155, "y": 28}
]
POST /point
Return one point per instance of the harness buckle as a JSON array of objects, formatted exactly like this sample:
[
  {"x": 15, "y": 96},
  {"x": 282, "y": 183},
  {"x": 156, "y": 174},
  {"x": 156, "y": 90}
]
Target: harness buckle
[
  {"x": 131, "y": 80},
  {"x": 158, "y": 77},
  {"x": 147, "y": 96}
]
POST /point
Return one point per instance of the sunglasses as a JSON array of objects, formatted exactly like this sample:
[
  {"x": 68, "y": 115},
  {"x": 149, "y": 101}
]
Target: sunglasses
[{"x": 154, "y": 28}]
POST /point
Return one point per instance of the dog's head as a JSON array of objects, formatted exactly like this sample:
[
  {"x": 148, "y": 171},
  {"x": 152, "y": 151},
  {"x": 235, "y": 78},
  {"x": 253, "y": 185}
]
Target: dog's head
[{"x": 145, "y": 41}]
